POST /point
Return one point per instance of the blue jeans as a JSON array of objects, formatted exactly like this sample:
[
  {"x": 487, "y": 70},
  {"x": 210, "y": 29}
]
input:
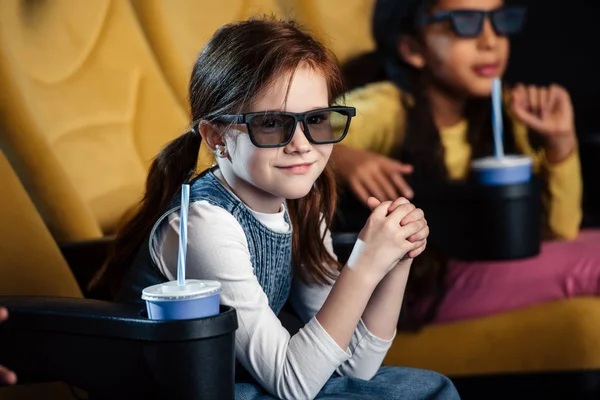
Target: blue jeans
[{"x": 390, "y": 383}]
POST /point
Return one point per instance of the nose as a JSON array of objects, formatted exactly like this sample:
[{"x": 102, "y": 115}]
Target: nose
[
  {"x": 299, "y": 143},
  {"x": 488, "y": 38}
]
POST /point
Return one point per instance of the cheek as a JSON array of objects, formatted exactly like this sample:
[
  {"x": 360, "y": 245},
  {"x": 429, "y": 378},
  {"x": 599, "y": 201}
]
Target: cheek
[
  {"x": 504, "y": 51},
  {"x": 325, "y": 151},
  {"x": 242, "y": 148},
  {"x": 241, "y": 151},
  {"x": 249, "y": 158},
  {"x": 239, "y": 145},
  {"x": 443, "y": 55},
  {"x": 452, "y": 57}
]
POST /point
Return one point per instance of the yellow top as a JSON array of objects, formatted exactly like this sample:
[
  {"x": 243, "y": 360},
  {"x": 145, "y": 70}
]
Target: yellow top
[{"x": 379, "y": 126}]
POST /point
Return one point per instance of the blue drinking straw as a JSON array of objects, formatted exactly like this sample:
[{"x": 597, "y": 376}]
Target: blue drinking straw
[
  {"x": 497, "y": 118},
  {"x": 183, "y": 218}
]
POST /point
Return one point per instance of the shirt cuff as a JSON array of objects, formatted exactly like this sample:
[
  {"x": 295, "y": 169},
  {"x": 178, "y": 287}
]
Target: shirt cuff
[
  {"x": 375, "y": 341},
  {"x": 327, "y": 345}
]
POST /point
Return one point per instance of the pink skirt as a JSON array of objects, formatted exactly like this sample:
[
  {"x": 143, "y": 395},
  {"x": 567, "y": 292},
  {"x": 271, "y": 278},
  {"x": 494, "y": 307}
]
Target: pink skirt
[{"x": 562, "y": 270}]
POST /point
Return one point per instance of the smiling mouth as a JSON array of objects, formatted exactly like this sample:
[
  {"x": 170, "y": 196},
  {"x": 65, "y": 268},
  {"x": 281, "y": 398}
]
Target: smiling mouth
[{"x": 297, "y": 169}]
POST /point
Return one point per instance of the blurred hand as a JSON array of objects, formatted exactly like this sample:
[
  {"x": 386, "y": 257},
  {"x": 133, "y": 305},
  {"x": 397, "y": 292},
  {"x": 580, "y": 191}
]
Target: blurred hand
[
  {"x": 549, "y": 112},
  {"x": 7, "y": 377},
  {"x": 369, "y": 174}
]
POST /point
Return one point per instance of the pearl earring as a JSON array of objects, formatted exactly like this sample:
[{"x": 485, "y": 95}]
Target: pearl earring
[{"x": 221, "y": 152}]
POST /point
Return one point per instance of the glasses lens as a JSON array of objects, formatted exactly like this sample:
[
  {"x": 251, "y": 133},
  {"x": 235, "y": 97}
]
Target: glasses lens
[
  {"x": 326, "y": 126},
  {"x": 508, "y": 20},
  {"x": 467, "y": 23},
  {"x": 272, "y": 129}
]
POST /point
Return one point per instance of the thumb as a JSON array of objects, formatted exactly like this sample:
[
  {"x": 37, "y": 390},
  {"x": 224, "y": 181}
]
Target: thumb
[{"x": 372, "y": 203}]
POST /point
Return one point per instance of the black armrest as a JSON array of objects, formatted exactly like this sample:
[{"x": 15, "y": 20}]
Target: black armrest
[
  {"x": 85, "y": 258},
  {"x": 113, "y": 351}
]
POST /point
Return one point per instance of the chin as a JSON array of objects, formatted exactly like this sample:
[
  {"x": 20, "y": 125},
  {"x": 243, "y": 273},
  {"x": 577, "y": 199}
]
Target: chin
[
  {"x": 296, "y": 192},
  {"x": 481, "y": 91}
]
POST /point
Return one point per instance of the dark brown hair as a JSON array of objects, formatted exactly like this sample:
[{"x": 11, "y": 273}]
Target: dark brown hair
[{"x": 234, "y": 69}]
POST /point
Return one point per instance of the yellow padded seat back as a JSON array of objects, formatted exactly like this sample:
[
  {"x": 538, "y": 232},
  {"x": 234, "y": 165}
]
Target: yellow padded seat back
[
  {"x": 345, "y": 26},
  {"x": 179, "y": 29},
  {"x": 84, "y": 108},
  {"x": 30, "y": 261}
]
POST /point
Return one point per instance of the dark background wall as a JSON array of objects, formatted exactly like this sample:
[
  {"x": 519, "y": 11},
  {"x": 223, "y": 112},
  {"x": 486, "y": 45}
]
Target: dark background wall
[{"x": 560, "y": 43}]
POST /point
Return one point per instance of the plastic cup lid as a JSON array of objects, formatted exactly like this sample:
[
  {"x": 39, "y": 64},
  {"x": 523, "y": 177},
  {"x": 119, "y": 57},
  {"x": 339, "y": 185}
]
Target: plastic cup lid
[
  {"x": 171, "y": 291},
  {"x": 502, "y": 162}
]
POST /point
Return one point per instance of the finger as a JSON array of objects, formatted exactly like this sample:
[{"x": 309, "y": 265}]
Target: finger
[
  {"x": 3, "y": 314},
  {"x": 412, "y": 228},
  {"x": 413, "y": 216},
  {"x": 543, "y": 95},
  {"x": 419, "y": 236},
  {"x": 529, "y": 119},
  {"x": 399, "y": 201},
  {"x": 391, "y": 165},
  {"x": 398, "y": 167},
  {"x": 406, "y": 169},
  {"x": 386, "y": 186},
  {"x": 557, "y": 95},
  {"x": 359, "y": 190},
  {"x": 372, "y": 203},
  {"x": 7, "y": 377},
  {"x": 519, "y": 96},
  {"x": 381, "y": 210},
  {"x": 417, "y": 245},
  {"x": 374, "y": 190},
  {"x": 399, "y": 213},
  {"x": 560, "y": 90},
  {"x": 401, "y": 184},
  {"x": 533, "y": 100},
  {"x": 418, "y": 251}
]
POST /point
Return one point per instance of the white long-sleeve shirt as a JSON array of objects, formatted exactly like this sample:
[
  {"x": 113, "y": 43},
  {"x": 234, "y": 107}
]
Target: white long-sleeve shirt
[{"x": 289, "y": 367}]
